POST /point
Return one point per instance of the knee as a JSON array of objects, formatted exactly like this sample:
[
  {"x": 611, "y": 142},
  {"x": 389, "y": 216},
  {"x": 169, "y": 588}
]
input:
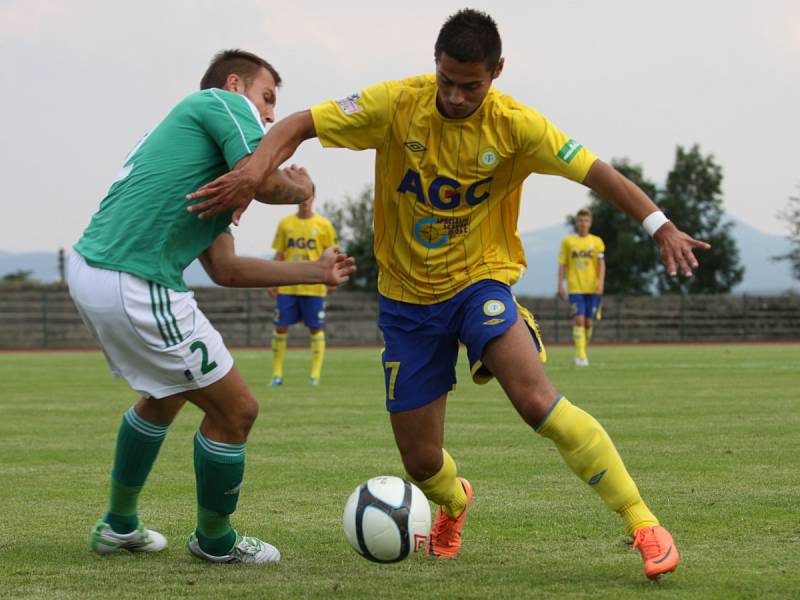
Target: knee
[
  {"x": 248, "y": 412},
  {"x": 533, "y": 403},
  {"x": 242, "y": 415},
  {"x": 422, "y": 465}
]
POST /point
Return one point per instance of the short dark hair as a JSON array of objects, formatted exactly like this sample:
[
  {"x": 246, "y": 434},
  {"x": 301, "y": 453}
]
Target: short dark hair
[
  {"x": 240, "y": 62},
  {"x": 470, "y": 36},
  {"x": 584, "y": 212}
]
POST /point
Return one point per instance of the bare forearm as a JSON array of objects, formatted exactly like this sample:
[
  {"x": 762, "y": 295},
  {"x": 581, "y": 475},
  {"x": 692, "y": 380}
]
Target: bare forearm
[
  {"x": 280, "y": 143},
  {"x": 614, "y": 187},
  {"x": 560, "y": 275},
  {"x": 279, "y": 189},
  {"x": 255, "y": 272}
]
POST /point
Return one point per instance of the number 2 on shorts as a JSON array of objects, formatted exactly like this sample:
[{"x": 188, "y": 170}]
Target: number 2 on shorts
[{"x": 205, "y": 366}]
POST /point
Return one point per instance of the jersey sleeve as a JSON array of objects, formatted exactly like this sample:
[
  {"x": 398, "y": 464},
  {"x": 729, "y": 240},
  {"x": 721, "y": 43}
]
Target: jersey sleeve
[
  {"x": 563, "y": 253},
  {"x": 545, "y": 149},
  {"x": 233, "y": 123},
  {"x": 601, "y": 250},
  {"x": 358, "y": 122}
]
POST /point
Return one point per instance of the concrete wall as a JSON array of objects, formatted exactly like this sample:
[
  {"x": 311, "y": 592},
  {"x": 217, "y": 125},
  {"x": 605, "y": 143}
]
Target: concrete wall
[{"x": 45, "y": 317}]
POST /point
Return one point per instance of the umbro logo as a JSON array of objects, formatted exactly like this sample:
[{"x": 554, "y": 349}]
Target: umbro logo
[
  {"x": 415, "y": 146},
  {"x": 494, "y": 322}
]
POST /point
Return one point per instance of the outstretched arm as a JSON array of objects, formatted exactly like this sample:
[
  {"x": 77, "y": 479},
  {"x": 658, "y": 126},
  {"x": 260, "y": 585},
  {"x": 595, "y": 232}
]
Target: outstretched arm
[
  {"x": 228, "y": 269},
  {"x": 676, "y": 246},
  {"x": 235, "y": 189}
]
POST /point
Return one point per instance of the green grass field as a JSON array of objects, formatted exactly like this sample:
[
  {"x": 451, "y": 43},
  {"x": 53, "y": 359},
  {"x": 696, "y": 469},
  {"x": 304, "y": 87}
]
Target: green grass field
[{"x": 709, "y": 433}]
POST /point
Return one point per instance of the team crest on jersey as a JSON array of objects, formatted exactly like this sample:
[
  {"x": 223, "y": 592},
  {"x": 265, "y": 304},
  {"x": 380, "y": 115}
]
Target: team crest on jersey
[
  {"x": 350, "y": 105},
  {"x": 492, "y": 308},
  {"x": 487, "y": 157}
]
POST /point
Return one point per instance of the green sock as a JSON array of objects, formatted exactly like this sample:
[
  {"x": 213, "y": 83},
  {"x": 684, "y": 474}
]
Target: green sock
[
  {"x": 138, "y": 443},
  {"x": 219, "y": 469},
  {"x": 214, "y": 532}
]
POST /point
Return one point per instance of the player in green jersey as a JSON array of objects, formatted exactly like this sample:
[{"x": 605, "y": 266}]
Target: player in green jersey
[{"x": 126, "y": 277}]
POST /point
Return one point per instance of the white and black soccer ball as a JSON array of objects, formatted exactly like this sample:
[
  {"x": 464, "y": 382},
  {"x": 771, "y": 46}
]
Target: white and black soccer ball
[{"x": 386, "y": 519}]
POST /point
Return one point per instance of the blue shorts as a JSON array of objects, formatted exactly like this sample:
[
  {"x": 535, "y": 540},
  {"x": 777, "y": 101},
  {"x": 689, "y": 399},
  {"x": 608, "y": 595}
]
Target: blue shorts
[
  {"x": 290, "y": 309},
  {"x": 421, "y": 340},
  {"x": 584, "y": 305}
]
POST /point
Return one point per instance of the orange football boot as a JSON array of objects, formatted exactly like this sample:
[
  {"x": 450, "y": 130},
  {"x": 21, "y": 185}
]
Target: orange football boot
[
  {"x": 446, "y": 531},
  {"x": 659, "y": 552}
]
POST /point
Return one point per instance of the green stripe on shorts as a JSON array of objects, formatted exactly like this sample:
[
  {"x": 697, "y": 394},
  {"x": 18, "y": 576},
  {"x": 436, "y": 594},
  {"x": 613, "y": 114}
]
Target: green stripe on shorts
[{"x": 155, "y": 315}]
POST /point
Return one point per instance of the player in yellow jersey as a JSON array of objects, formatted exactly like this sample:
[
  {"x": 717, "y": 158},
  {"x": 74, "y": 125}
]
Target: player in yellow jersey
[
  {"x": 300, "y": 237},
  {"x": 451, "y": 156},
  {"x": 582, "y": 259}
]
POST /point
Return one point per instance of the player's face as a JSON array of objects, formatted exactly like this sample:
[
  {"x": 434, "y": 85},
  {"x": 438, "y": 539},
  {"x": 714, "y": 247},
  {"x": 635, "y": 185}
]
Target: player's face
[
  {"x": 262, "y": 93},
  {"x": 462, "y": 86},
  {"x": 583, "y": 224}
]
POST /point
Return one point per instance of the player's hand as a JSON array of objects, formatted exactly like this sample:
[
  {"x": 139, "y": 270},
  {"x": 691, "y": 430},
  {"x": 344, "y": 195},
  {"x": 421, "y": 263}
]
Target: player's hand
[
  {"x": 233, "y": 190},
  {"x": 300, "y": 177},
  {"x": 561, "y": 293},
  {"x": 273, "y": 291},
  {"x": 600, "y": 289},
  {"x": 337, "y": 267},
  {"x": 677, "y": 249}
]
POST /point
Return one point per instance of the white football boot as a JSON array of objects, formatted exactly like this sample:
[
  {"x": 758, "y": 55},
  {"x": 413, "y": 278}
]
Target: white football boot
[
  {"x": 105, "y": 540},
  {"x": 246, "y": 550}
]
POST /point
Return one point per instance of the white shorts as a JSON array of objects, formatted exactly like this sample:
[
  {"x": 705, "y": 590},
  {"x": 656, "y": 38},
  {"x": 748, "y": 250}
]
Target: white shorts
[{"x": 157, "y": 339}]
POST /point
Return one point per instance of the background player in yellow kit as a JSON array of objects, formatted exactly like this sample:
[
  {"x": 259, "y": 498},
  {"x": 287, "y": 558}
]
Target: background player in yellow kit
[
  {"x": 451, "y": 156},
  {"x": 300, "y": 237},
  {"x": 582, "y": 259}
]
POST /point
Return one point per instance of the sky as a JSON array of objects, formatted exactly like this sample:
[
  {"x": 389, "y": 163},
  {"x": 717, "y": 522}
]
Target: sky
[{"x": 84, "y": 79}]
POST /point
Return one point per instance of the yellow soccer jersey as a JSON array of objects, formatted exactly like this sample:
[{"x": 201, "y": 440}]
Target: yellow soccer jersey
[
  {"x": 580, "y": 257},
  {"x": 304, "y": 239},
  {"x": 447, "y": 191}
]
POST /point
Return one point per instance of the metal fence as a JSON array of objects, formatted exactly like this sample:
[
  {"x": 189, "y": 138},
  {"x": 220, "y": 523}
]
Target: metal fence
[{"x": 45, "y": 317}]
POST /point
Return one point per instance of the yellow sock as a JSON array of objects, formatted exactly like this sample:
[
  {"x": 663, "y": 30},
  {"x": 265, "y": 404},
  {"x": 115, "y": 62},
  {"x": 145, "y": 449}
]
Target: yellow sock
[
  {"x": 590, "y": 453},
  {"x": 317, "y": 353},
  {"x": 443, "y": 488},
  {"x": 279, "y": 341},
  {"x": 579, "y": 335},
  {"x": 589, "y": 331}
]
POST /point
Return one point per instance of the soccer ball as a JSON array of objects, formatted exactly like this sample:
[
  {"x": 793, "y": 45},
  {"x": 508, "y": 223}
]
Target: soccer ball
[{"x": 387, "y": 518}]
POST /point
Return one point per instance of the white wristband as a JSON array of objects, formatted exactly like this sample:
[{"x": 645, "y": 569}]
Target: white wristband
[{"x": 653, "y": 221}]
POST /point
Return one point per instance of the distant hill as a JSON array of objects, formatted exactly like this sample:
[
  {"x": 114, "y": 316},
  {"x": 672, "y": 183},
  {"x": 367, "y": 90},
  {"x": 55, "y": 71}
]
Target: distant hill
[{"x": 762, "y": 275}]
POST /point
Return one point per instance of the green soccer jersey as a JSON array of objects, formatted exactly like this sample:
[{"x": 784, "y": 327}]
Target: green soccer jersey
[{"x": 142, "y": 226}]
